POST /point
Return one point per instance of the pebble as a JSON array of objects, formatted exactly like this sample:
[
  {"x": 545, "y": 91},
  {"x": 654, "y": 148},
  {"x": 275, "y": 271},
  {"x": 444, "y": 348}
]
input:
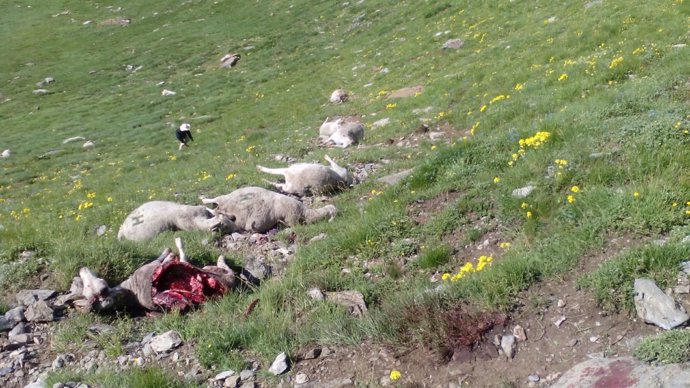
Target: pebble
[
  {"x": 301, "y": 378},
  {"x": 533, "y": 378},
  {"x": 558, "y": 321},
  {"x": 561, "y": 303},
  {"x": 523, "y": 191},
  {"x": 280, "y": 364},
  {"x": 246, "y": 375}
]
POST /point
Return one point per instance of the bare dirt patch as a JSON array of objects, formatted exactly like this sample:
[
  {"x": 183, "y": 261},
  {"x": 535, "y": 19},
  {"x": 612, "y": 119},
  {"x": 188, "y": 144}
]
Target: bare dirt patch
[{"x": 409, "y": 91}]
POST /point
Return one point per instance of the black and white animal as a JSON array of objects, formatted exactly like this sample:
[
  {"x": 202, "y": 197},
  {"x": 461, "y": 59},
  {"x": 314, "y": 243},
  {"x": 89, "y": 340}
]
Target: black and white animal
[
  {"x": 184, "y": 134},
  {"x": 230, "y": 60},
  {"x": 304, "y": 178}
]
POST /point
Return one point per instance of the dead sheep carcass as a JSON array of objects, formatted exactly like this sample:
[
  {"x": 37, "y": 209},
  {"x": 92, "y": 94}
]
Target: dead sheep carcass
[
  {"x": 341, "y": 133},
  {"x": 259, "y": 210},
  {"x": 169, "y": 282},
  {"x": 155, "y": 217},
  {"x": 338, "y": 96},
  {"x": 310, "y": 178}
]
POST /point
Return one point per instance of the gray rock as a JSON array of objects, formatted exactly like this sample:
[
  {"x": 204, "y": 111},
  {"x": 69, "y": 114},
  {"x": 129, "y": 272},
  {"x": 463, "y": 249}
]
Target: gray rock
[
  {"x": 246, "y": 375},
  {"x": 232, "y": 381},
  {"x": 15, "y": 315},
  {"x": 20, "y": 338},
  {"x": 5, "y": 371},
  {"x": 166, "y": 341},
  {"x": 224, "y": 375},
  {"x": 533, "y": 378},
  {"x": 593, "y": 3},
  {"x": 58, "y": 362},
  {"x": 19, "y": 328},
  {"x": 301, "y": 378},
  {"x": 101, "y": 328},
  {"x": 40, "y": 92},
  {"x": 381, "y": 123},
  {"x": 508, "y": 345},
  {"x": 523, "y": 191},
  {"x": 393, "y": 179},
  {"x": 453, "y": 44},
  {"x": 316, "y": 294},
  {"x": 28, "y": 297},
  {"x": 312, "y": 354},
  {"x": 653, "y": 306},
  {"x": 5, "y": 325},
  {"x": 280, "y": 364},
  {"x": 623, "y": 371},
  {"x": 36, "y": 384},
  {"x": 352, "y": 300},
  {"x": 685, "y": 266},
  {"x": 40, "y": 312},
  {"x": 101, "y": 229}
]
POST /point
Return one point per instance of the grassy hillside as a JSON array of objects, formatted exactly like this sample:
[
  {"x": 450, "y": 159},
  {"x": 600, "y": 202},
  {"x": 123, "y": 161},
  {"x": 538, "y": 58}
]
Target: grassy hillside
[{"x": 586, "y": 102}]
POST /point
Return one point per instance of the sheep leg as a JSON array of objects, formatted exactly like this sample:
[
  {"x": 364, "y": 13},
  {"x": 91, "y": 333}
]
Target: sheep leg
[
  {"x": 313, "y": 215},
  {"x": 180, "y": 248},
  {"x": 274, "y": 171},
  {"x": 279, "y": 186},
  {"x": 163, "y": 255},
  {"x": 333, "y": 164}
]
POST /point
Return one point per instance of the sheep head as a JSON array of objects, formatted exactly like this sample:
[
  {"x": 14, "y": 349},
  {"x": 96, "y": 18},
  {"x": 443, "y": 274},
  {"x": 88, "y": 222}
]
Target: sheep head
[
  {"x": 96, "y": 291},
  {"x": 223, "y": 223}
]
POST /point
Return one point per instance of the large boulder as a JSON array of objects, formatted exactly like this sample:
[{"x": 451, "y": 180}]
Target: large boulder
[{"x": 623, "y": 372}]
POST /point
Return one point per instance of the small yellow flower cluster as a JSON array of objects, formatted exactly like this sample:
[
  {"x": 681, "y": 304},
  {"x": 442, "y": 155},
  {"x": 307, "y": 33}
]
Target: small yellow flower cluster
[
  {"x": 250, "y": 149},
  {"x": 19, "y": 215},
  {"x": 561, "y": 163},
  {"x": 535, "y": 141},
  {"x": 563, "y": 77},
  {"x": 615, "y": 62},
  {"x": 497, "y": 180},
  {"x": 391, "y": 106},
  {"x": 382, "y": 93},
  {"x": 499, "y": 98},
  {"x": 526, "y": 206},
  {"x": 474, "y": 127},
  {"x": 483, "y": 108},
  {"x": 482, "y": 263},
  {"x": 395, "y": 375},
  {"x": 85, "y": 205},
  {"x": 687, "y": 211},
  {"x": 638, "y": 51},
  {"x": 519, "y": 86},
  {"x": 230, "y": 177},
  {"x": 375, "y": 193},
  {"x": 203, "y": 175},
  {"x": 636, "y": 194},
  {"x": 504, "y": 245}
]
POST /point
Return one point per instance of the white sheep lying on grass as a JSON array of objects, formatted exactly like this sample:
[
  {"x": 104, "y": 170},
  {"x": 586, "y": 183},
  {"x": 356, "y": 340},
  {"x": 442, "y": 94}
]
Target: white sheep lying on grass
[
  {"x": 259, "y": 210},
  {"x": 341, "y": 133},
  {"x": 304, "y": 178},
  {"x": 152, "y": 218}
]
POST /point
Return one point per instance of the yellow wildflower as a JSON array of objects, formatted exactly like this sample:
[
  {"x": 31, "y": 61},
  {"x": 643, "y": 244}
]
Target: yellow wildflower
[
  {"x": 483, "y": 108},
  {"x": 575, "y": 189},
  {"x": 524, "y": 205},
  {"x": 504, "y": 245},
  {"x": 571, "y": 198},
  {"x": 445, "y": 276},
  {"x": 563, "y": 77},
  {"x": 497, "y": 180},
  {"x": 519, "y": 87},
  {"x": 615, "y": 62},
  {"x": 529, "y": 214},
  {"x": 636, "y": 194},
  {"x": 230, "y": 176}
]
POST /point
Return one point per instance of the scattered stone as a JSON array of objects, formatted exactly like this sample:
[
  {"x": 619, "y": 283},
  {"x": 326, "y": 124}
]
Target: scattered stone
[
  {"x": 5, "y": 371},
  {"x": 246, "y": 375},
  {"x": 624, "y": 372},
  {"x": 558, "y": 321},
  {"x": 232, "y": 381},
  {"x": 166, "y": 342},
  {"x": 508, "y": 345},
  {"x": 100, "y": 230},
  {"x": 394, "y": 179},
  {"x": 561, "y": 303},
  {"x": 5, "y": 325},
  {"x": 45, "y": 81},
  {"x": 28, "y": 297},
  {"x": 316, "y": 294},
  {"x": 684, "y": 289},
  {"x": 551, "y": 20},
  {"x": 679, "y": 45},
  {"x": 224, "y": 375},
  {"x": 20, "y": 338},
  {"x": 40, "y": 312},
  {"x": 318, "y": 237},
  {"x": 229, "y": 60},
  {"x": 41, "y": 92},
  {"x": 533, "y": 378},
  {"x": 519, "y": 333},
  {"x": 381, "y": 123},
  {"x": 353, "y": 300},
  {"x": 301, "y": 378},
  {"x": 280, "y": 364},
  {"x": 453, "y": 44},
  {"x": 419, "y": 111},
  {"x": 685, "y": 266},
  {"x": 436, "y": 135},
  {"x": 19, "y": 328},
  {"x": 167, "y": 92},
  {"x": 523, "y": 191},
  {"x": 6, "y": 154},
  {"x": 653, "y": 306},
  {"x": 573, "y": 342},
  {"x": 118, "y": 21},
  {"x": 312, "y": 354},
  {"x": 89, "y": 144}
]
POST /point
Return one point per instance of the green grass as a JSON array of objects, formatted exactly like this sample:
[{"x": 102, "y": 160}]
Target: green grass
[
  {"x": 621, "y": 125},
  {"x": 669, "y": 347}
]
